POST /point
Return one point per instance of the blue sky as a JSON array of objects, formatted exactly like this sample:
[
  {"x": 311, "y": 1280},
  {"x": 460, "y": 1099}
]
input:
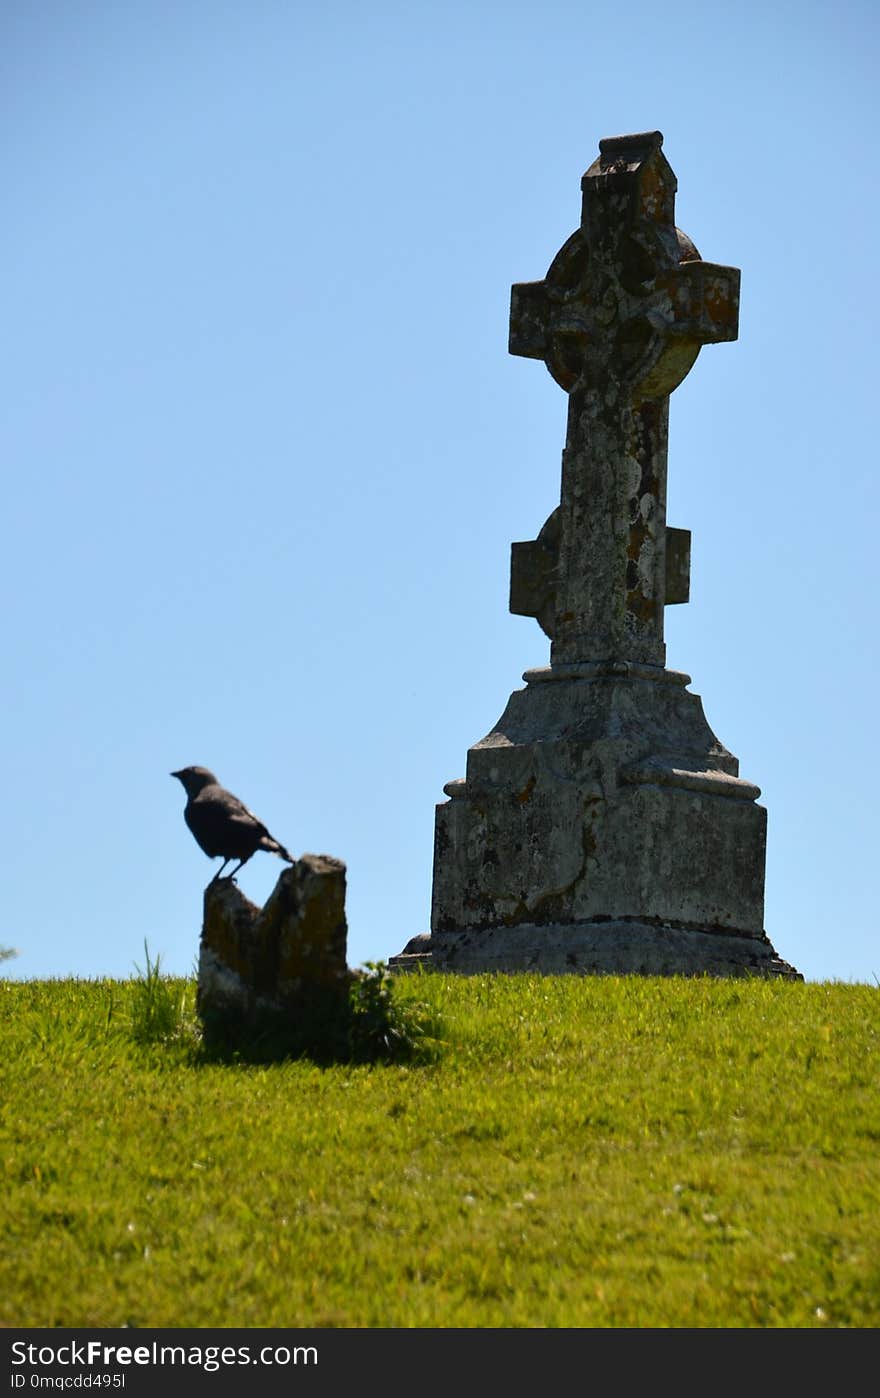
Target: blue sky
[{"x": 265, "y": 450}]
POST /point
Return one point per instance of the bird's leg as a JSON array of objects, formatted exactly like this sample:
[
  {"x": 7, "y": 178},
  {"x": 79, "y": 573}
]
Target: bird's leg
[
  {"x": 219, "y": 872},
  {"x": 241, "y": 863}
]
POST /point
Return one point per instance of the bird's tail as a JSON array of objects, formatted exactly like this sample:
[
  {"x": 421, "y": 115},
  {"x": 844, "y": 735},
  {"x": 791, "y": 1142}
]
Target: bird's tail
[{"x": 273, "y": 846}]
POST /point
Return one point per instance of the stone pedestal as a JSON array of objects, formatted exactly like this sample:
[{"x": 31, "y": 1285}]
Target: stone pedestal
[{"x": 601, "y": 827}]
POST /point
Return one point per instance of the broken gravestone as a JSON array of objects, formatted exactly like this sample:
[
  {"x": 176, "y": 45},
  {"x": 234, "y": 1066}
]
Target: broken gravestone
[
  {"x": 601, "y": 826},
  {"x": 281, "y": 968}
]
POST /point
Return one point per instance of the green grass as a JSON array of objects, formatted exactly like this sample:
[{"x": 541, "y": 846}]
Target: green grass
[{"x": 588, "y": 1152}]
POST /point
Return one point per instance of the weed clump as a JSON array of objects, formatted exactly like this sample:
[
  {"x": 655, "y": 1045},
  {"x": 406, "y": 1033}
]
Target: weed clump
[
  {"x": 382, "y": 1026},
  {"x": 161, "y": 1009}
]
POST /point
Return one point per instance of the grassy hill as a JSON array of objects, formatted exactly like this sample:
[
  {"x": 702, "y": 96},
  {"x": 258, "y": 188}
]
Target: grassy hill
[{"x": 589, "y": 1152}]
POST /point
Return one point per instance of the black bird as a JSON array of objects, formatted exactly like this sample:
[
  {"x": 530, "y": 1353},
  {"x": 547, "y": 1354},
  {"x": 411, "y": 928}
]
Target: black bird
[{"x": 222, "y": 825}]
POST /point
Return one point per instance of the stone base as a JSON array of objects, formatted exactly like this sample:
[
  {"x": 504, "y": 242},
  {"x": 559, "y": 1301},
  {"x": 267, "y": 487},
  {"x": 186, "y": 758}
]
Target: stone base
[
  {"x": 601, "y": 828},
  {"x": 601, "y": 794},
  {"x": 617, "y": 948}
]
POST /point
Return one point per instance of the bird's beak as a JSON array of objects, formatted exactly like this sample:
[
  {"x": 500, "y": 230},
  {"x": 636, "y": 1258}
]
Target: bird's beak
[{"x": 174, "y": 774}]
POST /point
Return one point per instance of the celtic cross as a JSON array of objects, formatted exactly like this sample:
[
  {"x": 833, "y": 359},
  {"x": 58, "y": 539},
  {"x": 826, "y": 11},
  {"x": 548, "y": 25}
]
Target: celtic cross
[{"x": 619, "y": 320}]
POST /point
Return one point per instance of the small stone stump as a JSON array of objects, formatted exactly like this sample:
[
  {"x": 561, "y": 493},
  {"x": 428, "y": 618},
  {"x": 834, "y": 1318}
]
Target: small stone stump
[{"x": 279, "y": 967}]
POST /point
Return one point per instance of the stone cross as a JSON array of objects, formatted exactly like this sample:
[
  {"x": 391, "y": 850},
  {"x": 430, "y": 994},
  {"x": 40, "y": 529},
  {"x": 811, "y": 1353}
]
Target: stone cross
[
  {"x": 601, "y": 826},
  {"x": 619, "y": 320}
]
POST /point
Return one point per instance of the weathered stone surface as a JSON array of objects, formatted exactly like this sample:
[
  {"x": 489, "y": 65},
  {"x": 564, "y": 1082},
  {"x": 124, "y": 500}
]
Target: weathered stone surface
[
  {"x": 601, "y": 825},
  {"x": 276, "y": 959},
  {"x": 600, "y": 795}
]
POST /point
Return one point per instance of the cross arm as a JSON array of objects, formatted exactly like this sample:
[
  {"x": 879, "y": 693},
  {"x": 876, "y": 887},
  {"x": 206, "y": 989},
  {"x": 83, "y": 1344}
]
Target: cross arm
[
  {"x": 534, "y": 572},
  {"x": 529, "y": 320},
  {"x": 693, "y": 304},
  {"x": 705, "y": 302}
]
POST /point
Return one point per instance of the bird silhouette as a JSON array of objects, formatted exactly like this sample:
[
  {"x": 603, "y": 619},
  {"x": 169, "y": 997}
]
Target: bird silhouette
[{"x": 221, "y": 824}]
